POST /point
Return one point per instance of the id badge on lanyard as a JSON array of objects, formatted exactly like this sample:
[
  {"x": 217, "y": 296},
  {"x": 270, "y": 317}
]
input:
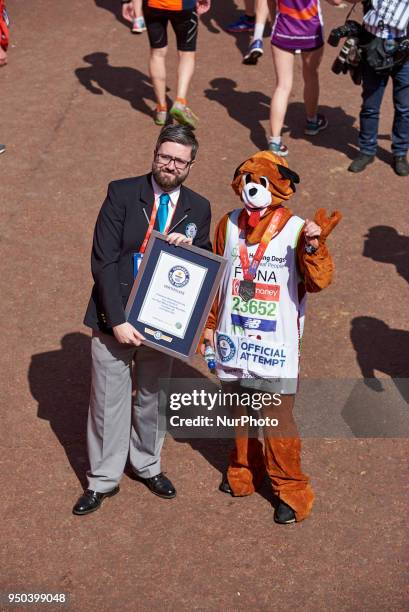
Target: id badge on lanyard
[{"x": 137, "y": 260}]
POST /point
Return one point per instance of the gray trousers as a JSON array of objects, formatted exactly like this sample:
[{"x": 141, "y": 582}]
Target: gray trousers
[{"x": 116, "y": 425}]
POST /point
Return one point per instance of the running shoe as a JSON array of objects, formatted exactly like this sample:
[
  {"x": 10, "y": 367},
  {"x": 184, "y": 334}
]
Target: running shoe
[
  {"x": 279, "y": 149},
  {"x": 161, "y": 116},
  {"x": 313, "y": 127},
  {"x": 2, "y": 148},
  {"x": 243, "y": 24},
  {"x": 184, "y": 115},
  {"x": 138, "y": 25},
  {"x": 254, "y": 51}
]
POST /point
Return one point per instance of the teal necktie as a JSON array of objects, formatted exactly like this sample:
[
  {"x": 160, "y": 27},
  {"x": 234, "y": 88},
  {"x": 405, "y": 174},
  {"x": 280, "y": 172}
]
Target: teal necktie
[{"x": 163, "y": 211}]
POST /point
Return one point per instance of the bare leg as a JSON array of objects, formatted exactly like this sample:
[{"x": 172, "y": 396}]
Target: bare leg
[
  {"x": 261, "y": 18},
  {"x": 137, "y": 7},
  {"x": 310, "y": 65},
  {"x": 272, "y": 9},
  {"x": 157, "y": 70},
  {"x": 255, "y": 49},
  {"x": 284, "y": 66},
  {"x": 249, "y": 7},
  {"x": 186, "y": 69},
  {"x": 261, "y": 11}
]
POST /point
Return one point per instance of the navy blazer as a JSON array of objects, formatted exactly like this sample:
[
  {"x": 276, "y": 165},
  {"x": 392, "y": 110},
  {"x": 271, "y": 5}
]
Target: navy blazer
[{"x": 119, "y": 232}]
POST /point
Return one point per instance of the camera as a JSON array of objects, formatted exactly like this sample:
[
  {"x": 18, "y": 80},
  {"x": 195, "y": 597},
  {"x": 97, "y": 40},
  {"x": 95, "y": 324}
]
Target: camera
[
  {"x": 349, "y": 57},
  {"x": 349, "y": 29},
  {"x": 349, "y": 60}
]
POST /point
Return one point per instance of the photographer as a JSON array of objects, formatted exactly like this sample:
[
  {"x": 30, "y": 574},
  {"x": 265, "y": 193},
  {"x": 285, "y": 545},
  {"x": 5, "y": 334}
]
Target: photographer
[{"x": 386, "y": 30}]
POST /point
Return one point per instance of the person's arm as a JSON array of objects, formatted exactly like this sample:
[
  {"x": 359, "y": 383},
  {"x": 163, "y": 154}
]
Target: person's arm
[
  {"x": 272, "y": 8},
  {"x": 3, "y": 57},
  {"x": 316, "y": 268},
  {"x": 106, "y": 250}
]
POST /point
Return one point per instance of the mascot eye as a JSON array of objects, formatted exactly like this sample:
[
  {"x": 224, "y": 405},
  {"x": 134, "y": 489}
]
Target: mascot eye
[
  {"x": 264, "y": 181},
  {"x": 247, "y": 179}
]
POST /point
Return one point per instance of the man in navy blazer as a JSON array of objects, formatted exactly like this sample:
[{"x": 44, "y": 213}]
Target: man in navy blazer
[{"x": 133, "y": 207}]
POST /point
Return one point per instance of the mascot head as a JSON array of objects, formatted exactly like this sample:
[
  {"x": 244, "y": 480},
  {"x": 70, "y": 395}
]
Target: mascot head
[{"x": 264, "y": 179}]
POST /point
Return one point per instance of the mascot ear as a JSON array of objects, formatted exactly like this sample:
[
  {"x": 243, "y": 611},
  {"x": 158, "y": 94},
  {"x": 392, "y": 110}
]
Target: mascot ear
[
  {"x": 288, "y": 174},
  {"x": 237, "y": 171}
]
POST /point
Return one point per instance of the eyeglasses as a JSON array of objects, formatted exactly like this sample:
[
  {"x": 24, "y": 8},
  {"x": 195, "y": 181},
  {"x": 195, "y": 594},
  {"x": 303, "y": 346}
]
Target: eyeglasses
[{"x": 164, "y": 160}]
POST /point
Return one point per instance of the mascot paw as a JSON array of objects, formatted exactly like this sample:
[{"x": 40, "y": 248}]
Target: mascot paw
[{"x": 327, "y": 224}]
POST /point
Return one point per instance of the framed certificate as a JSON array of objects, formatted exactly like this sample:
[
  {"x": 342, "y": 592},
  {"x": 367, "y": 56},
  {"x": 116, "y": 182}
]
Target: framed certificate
[{"x": 172, "y": 295}]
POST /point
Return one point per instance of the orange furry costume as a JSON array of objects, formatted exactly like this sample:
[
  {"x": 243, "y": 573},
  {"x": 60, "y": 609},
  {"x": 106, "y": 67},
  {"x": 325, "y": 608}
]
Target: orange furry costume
[{"x": 268, "y": 178}]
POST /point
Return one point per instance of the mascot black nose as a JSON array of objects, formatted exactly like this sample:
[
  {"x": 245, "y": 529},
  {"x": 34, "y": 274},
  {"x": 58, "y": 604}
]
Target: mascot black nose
[{"x": 253, "y": 191}]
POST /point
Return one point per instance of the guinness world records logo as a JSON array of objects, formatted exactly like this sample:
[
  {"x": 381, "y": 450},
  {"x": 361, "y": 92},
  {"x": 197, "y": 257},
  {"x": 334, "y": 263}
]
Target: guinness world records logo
[
  {"x": 178, "y": 276},
  {"x": 225, "y": 348}
]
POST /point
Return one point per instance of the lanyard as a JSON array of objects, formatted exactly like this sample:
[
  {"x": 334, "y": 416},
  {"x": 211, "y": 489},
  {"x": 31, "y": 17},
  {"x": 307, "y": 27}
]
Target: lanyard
[
  {"x": 150, "y": 228},
  {"x": 152, "y": 223},
  {"x": 250, "y": 270}
]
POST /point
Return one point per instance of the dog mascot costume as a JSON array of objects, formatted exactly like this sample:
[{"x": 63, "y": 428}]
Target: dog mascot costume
[{"x": 256, "y": 323}]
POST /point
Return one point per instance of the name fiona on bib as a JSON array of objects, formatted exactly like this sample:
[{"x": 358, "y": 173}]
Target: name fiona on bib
[{"x": 265, "y": 276}]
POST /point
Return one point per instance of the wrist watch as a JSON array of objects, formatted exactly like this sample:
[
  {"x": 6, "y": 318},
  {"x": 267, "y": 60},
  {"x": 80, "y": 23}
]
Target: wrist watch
[{"x": 310, "y": 249}]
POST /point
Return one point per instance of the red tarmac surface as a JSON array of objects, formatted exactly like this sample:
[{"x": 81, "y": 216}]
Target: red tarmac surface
[{"x": 71, "y": 125}]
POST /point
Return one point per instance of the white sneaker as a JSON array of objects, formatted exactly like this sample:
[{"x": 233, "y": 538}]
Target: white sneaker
[
  {"x": 138, "y": 26},
  {"x": 161, "y": 117},
  {"x": 278, "y": 148}
]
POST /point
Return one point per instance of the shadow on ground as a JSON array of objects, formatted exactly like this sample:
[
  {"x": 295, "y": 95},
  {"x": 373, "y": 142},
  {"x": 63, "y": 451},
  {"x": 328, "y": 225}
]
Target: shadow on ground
[
  {"x": 120, "y": 81},
  {"x": 220, "y": 16},
  {"x": 341, "y": 134},
  {"x": 247, "y": 108},
  {"x": 250, "y": 108},
  {"x": 379, "y": 347},
  {"x": 385, "y": 245},
  {"x": 113, "y": 7},
  {"x": 60, "y": 382},
  {"x": 373, "y": 410}
]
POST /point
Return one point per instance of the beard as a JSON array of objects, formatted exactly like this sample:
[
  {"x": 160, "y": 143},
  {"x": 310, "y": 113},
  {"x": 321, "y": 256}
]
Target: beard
[{"x": 170, "y": 179}]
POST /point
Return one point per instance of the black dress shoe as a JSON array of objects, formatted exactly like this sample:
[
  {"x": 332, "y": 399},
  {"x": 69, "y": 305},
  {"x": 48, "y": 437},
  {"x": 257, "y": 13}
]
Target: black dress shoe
[
  {"x": 224, "y": 485},
  {"x": 361, "y": 161},
  {"x": 160, "y": 485},
  {"x": 284, "y": 514},
  {"x": 91, "y": 501},
  {"x": 401, "y": 165}
]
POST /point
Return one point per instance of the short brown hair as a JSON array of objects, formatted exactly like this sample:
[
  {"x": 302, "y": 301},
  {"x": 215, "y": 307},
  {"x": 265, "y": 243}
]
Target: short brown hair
[{"x": 182, "y": 134}]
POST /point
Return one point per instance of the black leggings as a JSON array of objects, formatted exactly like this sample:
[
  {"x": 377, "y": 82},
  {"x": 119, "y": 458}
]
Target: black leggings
[{"x": 184, "y": 24}]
